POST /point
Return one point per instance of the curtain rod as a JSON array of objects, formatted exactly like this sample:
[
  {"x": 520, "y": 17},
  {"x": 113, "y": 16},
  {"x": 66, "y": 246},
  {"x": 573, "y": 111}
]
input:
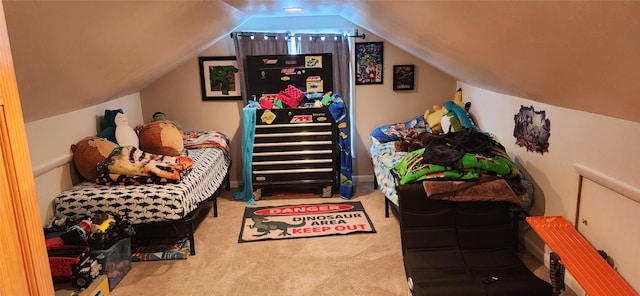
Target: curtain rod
[
  {"x": 250, "y": 35},
  {"x": 273, "y": 35},
  {"x": 358, "y": 35}
]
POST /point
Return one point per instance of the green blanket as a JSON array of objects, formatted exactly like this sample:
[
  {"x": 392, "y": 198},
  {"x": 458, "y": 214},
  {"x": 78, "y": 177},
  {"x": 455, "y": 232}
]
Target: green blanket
[{"x": 412, "y": 169}]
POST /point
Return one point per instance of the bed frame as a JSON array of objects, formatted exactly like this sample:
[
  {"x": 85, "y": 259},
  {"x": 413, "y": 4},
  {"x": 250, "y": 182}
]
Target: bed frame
[
  {"x": 210, "y": 177},
  {"x": 185, "y": 227}
]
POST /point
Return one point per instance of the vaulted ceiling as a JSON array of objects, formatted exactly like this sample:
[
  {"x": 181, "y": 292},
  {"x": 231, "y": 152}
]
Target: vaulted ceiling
[{"x": 581, "y": 55}]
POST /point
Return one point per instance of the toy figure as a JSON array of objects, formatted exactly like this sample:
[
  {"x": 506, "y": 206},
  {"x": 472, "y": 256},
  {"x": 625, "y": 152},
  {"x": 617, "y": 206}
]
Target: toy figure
[{"x": 222, "y": 77}]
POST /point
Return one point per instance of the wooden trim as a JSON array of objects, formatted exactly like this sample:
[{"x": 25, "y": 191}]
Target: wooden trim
[
  {"x": 12, "y": 269},
  {"x": 31, "y": 275},
  {"x": 622, "y": 188}
]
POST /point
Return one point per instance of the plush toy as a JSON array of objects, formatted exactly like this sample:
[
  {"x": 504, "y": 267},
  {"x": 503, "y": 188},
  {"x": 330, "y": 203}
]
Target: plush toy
[
  {"x": 117, "y": 129},
  {"x": 160, "y": 116},
  {"x": 433, "y": 118},
  {"x": 88, "y": 153},
  {"x": 161, "y": 137},
  {"x": 109, "y": 125},
  {"x": 414, "y": 142},
  {"x": 457, "y": 116},
  {"x": 457, "y": 98}
]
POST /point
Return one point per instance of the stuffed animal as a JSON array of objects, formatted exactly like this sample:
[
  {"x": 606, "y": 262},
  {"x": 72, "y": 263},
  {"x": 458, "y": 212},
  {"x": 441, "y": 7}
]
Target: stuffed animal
[
  {"x": 414, "y": 142},
  {"x": 457, "y": 98},
  {"x": 442, "y": 120},
  {"x": 161, "y": 137},
  {"x": 117, "y": 129},
  {"x": 458, "y": 116},
  {"x": 88, "y": 153},
  {"x": 160, "y": 116},
  {"x": 433, "y": 118},
  {"x": 109, "y": 125}
]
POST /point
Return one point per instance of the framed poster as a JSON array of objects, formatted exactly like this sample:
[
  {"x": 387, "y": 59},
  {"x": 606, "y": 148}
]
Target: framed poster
[
  {"x": 403, "y": 77},
  {"x": 369, "y": 62},
  {"x": 219, "y": 78}
]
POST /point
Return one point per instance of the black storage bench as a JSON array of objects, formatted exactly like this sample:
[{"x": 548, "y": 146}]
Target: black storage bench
[{"x": 461, "y": 248}]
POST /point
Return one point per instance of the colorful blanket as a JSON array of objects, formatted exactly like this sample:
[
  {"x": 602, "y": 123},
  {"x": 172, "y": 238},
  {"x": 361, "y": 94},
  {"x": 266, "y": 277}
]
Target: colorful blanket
[
  {"x": 397, "y": 131},
  {"x": 206, "y": 139},
  {"x": 129, "y": 165},
  {"x": 339, "y": 112},
  {"x": 463, "y": 155},
  {"x": 412, "y": 168},
  {"x": 384, "y": 157}
]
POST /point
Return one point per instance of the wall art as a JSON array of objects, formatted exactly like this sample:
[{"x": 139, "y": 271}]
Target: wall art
[
  {"x": 403, "y": 77},
  {"x": 369, "y": 62},
  {"x": 219, "y": 78},
  {"x": 532, "y": 129}
]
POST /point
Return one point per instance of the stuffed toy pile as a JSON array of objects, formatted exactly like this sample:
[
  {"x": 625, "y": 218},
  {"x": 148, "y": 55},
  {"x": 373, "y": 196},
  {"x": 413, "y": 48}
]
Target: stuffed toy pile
[{"x": 159, "y": 138}]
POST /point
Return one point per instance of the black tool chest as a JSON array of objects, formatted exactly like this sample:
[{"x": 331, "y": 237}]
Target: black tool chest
[{"x": 295, "y": 149}]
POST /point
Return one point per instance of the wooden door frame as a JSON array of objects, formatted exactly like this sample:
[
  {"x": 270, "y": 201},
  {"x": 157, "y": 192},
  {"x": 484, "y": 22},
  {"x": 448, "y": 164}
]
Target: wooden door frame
[{"x": 24, "y": 265}]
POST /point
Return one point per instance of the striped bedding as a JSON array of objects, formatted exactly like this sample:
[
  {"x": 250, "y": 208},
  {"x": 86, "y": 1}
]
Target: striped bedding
[{"x": 150, "y": 202}]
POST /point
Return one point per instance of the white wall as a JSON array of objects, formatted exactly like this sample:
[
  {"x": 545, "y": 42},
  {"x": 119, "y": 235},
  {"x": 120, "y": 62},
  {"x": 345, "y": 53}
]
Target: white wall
[
  {"x": 50, "y": 140},
  {"x": 606, "y": 145}
]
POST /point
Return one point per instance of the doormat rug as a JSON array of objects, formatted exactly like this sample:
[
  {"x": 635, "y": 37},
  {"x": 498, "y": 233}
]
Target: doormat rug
[
  {"x": 175, "y": 249},
  {"x": 307, "y": 220}
]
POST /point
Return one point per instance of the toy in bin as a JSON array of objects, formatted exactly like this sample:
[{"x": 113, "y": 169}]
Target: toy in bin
[{"x": 71, "y": 262}]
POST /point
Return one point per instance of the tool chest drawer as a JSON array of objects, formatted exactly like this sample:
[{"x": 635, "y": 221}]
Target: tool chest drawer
[{"x": 293, "y": 150}]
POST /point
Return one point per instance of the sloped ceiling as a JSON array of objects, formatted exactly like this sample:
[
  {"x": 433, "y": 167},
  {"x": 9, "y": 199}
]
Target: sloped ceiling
[{"x": 580, "y": 55}]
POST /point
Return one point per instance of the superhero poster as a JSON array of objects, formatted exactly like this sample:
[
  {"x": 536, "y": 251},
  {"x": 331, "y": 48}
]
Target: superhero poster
[
  {"x": 220, "y": 78},
  {"x": 369, "y": 62}
]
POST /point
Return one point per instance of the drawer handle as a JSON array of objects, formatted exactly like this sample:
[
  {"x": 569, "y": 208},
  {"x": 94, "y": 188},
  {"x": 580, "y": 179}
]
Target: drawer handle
[
  {"x": 295, "y": 171},
  {"x": 293, "y": 144},
  {"x": 300, "y": 152},
  {"x": 300, "y": 161},
  {"x": 297, "y": 134}
]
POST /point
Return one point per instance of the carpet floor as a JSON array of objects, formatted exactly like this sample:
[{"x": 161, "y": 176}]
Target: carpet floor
[{"x": 368, "y": 264}]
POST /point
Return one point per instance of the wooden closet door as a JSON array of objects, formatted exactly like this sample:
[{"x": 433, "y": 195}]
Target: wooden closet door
[
  {"x": 24, "y": 266},
  {"x": 12, "y": 269}
]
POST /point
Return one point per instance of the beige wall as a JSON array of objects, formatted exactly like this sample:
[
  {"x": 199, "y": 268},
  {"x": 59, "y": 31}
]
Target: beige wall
[
  {"x": 178, "y": 95},
  {"x": 379, "y": 104},
  {"x": 50, "y": 140}
]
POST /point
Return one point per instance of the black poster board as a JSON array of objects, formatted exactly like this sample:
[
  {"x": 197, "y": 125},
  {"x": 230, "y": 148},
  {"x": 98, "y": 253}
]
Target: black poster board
[{"x": 267, "y": 75}]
